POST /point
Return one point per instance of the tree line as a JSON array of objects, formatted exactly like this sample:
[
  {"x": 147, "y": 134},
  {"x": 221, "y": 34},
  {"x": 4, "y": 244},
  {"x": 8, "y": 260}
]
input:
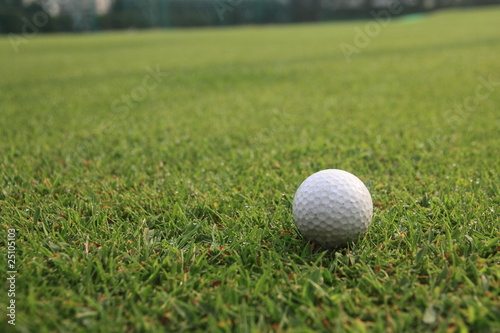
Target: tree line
[{"x": 16, "y": 15}]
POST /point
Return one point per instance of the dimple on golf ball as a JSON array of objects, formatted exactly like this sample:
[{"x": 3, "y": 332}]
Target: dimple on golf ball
[{"x": 332, "y": 207}]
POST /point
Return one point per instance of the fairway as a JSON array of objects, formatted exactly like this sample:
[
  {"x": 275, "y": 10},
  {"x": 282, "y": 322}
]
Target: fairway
[{"x": 150, "y": 176}]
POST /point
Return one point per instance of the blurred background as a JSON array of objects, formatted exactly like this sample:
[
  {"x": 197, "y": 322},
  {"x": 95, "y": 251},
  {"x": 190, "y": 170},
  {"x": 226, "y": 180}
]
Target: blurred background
[{"x": 94, "y": 15}]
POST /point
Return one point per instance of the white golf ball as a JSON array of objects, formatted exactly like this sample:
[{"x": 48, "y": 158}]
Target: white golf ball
[{"x": 332, "y": 207}]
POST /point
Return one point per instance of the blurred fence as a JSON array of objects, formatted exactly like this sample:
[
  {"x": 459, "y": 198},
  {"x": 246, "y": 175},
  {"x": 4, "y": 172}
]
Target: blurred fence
[{"x": 83, "y": 15}]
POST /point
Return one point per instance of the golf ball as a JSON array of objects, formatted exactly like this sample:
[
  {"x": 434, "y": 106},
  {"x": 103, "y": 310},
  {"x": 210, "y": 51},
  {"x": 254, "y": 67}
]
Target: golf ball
[{"x": 332, "y": 207}]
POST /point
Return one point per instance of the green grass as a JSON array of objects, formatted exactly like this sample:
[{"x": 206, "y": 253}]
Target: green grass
[{"x": 175, "y": 214}]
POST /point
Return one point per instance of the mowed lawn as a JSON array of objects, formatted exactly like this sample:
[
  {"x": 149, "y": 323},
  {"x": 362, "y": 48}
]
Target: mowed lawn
[{"x": 150, "y": 175}]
